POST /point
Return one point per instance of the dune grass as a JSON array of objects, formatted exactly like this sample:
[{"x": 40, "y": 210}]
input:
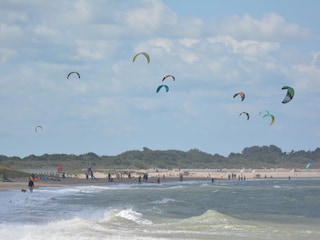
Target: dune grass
[{"x": 6, "y": 173}]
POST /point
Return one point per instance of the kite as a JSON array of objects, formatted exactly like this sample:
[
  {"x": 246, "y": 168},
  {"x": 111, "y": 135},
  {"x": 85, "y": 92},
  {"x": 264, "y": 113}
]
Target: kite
[
  {"x": 144, "y": 54},
  {"x": 308, "y": 165},
  {"x": 289, "y": 95},
  {"x": 242, "y": 95},
  {"x": 36, "y": 128},
  {"x": 245, "y": 114},
  {"x": 264, "y": 111},
  {"x": 161, "y": 86},
  {"x": 272, "y": 118},
  {"x": 165, "y": 77},
  {"x": 72, "y": 73}
]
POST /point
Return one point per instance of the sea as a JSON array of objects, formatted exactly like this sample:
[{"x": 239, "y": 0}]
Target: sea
[{"x": 223, "y": 209}]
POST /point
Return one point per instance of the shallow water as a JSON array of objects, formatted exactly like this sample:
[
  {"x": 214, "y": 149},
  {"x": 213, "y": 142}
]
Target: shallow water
[{"x": 262, "y": 209}]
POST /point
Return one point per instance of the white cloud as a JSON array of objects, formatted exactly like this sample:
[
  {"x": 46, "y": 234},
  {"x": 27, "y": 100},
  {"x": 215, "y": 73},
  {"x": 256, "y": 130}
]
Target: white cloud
[
  {"x": 189, "y": 42},
  {"x": 146, "y": 104},
  {"x": 245, "y": 47},
  {"x": 152, "y": 16},
  {"x": 307, "y": 77},
  {"x": 6, "y": 54},
  {"x": 272, "y": 27},
  {"x": 46, "y": 32},
  {"x": 94, "y": 50}
]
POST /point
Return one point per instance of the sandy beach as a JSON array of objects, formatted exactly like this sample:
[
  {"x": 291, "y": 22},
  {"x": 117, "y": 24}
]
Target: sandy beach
[{"x": 158, "y": 176}]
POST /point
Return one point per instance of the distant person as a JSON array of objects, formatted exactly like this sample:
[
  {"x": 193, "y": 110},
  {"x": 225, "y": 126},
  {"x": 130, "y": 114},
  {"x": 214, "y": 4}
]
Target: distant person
[
  {"x": 145, "y": 177},
  {"x": 31, "y": 185},
  {"x": 90, "y": 173}
]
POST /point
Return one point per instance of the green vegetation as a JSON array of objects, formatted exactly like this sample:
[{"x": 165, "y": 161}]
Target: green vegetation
[
  {"x": 251, "y": 157},
  {"x": 9, "y": 172}
]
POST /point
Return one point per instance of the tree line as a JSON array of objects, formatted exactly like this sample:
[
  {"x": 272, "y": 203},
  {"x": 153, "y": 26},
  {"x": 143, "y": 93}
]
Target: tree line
[{"x": 250, "y": 157}]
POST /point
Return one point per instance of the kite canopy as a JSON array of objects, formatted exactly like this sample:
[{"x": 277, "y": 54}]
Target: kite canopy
[
  {"x": 72, "y": 73},
  {"x": 247, "y": 114},
  {"x": 271, "y": 116},
  {"x": 161, "y": 86},
  {"x": 166, "y": 76},
  {"x": 242, "y": 95},
  {"x": 264, "y": 112},
  {"x": 37, "y": 127},
  {"x": 144, "y": 54},
  {"x": 289, "y": 95}
]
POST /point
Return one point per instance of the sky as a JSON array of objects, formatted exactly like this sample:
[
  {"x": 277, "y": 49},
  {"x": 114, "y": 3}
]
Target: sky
[{"x": 214, "y": 49}]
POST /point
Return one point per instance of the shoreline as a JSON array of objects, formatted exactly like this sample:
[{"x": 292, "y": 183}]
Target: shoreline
[{"x": 161, "y": 176}]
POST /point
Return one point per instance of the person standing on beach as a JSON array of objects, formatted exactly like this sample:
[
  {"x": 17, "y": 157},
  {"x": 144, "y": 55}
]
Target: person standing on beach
[{"x": 31, "y": 185}]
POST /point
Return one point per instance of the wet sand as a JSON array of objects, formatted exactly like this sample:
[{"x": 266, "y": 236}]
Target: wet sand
[{"x": 167, "y": 176}]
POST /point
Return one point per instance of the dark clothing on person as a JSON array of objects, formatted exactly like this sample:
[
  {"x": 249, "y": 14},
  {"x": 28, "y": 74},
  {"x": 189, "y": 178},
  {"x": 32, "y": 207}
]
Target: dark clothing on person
[{"x": 31, "y": 185}]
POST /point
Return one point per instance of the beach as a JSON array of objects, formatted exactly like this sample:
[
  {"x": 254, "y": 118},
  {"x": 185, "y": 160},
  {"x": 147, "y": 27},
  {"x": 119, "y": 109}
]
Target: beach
[{"x": 160, "y": 175}]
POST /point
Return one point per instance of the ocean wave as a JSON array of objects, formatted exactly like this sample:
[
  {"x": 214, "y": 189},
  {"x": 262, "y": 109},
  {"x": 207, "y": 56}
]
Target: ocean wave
[
  {"x": 131, "y": 215},
  {"x": 165, "y": 200},
  {"x": 130, "y": 224},
  {"x": 213, "y": 218}
]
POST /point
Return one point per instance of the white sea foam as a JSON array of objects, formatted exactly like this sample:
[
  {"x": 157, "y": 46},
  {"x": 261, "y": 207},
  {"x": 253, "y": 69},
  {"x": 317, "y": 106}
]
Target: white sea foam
[
  {"x": 134, "y": 216},
  {"x": 165, "y": 200}
]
